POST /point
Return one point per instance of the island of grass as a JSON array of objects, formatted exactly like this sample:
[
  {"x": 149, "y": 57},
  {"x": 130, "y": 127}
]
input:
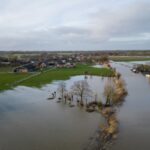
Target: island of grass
[{"x": 10, "y": 80}]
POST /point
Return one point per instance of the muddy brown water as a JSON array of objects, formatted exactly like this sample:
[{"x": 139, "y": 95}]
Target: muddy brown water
[
  {"x": 28, "y": 121},
  {"x": 134, "y": 115}
]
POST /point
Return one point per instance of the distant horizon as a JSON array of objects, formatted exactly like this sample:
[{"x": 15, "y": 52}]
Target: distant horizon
[
  {"x": 73, "y": 25},
  {"x": 120, "y": 50}
]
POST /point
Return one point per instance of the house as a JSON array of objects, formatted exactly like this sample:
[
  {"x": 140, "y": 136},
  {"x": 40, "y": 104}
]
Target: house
[
  {"x": 52, "y": 64},
  {"x": 43, "y": 65},
  {"x": 31, "y": 67},
  {"x": 70, "y": 65}
]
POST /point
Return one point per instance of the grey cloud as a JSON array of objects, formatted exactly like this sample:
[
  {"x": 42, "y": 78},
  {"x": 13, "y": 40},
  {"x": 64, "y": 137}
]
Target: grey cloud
[
  {"x": 133, "y": 20},
  {"x": 54, "y": 28},
  {"x": 71, "y": 30}
]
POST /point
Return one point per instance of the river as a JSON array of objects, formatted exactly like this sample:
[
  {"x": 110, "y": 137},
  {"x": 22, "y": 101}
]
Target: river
[{"x": 134, "y": 118}]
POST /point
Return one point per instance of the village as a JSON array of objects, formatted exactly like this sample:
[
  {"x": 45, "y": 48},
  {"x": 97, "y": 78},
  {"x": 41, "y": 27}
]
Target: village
[
  {"x": 24, "y": 65},
  {"x": 20, "y": 63}
]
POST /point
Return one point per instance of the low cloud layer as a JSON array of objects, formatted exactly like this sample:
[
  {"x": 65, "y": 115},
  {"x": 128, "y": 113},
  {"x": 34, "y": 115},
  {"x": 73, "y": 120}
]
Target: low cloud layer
[{"x": 74, "y": 25}]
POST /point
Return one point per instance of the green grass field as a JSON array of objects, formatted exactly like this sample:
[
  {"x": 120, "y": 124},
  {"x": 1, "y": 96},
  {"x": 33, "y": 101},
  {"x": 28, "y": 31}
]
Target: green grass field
[
  {"x": 129, "y": 58},
  {"x": 7, "y": 79}
]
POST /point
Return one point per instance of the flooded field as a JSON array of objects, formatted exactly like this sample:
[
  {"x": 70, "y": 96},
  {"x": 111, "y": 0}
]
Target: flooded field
[{"x": 28, "y": 121}]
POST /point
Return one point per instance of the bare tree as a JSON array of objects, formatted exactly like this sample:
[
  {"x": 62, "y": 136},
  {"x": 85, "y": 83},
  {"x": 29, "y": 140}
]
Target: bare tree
[
  {"x": 115, "y": 91},
  {"x": 81, "y": 90},
  {"x": 62, "y": 89},
  {"x": 104, "y": 59},
  {"x": 109, "y": 91},
  {"x": 120, "y": 91}
]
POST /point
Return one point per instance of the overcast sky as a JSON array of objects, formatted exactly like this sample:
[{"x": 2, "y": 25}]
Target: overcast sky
[{"x": 74, "y": 24}]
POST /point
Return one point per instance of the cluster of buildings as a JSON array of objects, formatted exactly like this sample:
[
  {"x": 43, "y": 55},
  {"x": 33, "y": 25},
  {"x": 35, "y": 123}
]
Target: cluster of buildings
[
  {"x": 35, "y": 61},
  {"x": 33, "y": 66}
]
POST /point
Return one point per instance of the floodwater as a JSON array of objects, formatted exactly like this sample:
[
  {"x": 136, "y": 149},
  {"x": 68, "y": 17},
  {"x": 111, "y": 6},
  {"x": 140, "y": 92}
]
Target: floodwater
[
  {"x": 134, "y": 115},
  {"x": 28, "y": 121}
]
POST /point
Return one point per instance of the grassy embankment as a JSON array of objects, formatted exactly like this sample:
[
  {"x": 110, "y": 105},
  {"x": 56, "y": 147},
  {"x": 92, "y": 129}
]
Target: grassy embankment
[
  {"x": 129, "y": 58},
  {"x": 8, "y": 79}
]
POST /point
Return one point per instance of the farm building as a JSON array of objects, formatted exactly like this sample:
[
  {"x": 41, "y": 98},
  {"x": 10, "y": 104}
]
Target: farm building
[{"x": 31, "y": 67}]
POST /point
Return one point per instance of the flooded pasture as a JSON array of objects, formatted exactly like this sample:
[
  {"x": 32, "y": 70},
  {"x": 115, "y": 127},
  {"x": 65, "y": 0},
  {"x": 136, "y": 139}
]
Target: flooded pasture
[{"x": 29, "y": 121}]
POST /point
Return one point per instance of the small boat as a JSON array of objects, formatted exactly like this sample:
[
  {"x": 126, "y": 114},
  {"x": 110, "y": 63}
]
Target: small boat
[
  {"x": 147, "y": 75},
  {"x": 134, "y": 70}
]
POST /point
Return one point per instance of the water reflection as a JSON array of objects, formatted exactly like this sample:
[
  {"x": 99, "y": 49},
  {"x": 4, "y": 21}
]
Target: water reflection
[{"x": 29, "y": 121}]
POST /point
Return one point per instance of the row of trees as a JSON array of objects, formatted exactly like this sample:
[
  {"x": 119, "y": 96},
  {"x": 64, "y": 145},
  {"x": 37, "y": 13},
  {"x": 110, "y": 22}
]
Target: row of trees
[
  {"x": 80, "y": 89},
  {"x": 143, "y": 68},
  {"x": 114, "y": 91},
  {"x": 114, "y": 94}
]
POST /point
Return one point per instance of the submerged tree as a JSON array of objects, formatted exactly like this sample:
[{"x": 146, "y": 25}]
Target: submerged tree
[
  {"x": 81, "y": 90},
  {"x": 109, "y": 92},
  {"x": 115, "y": 91},
  {"x": 104, "y": 59},
  {"x": 120, "y": 90},
  {"x": 62, "y": 89}
]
